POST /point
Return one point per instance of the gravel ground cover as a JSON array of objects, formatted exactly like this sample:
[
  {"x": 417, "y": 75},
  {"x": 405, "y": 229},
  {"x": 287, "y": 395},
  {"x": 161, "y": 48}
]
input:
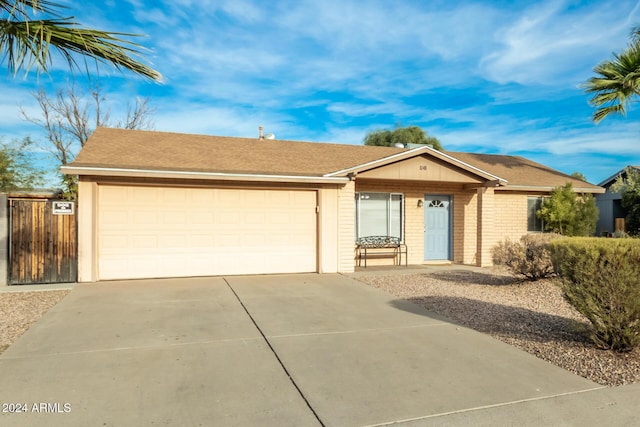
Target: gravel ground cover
[
  {"x": 20, "y": 310},
  {"x": 532, "y": 316}
]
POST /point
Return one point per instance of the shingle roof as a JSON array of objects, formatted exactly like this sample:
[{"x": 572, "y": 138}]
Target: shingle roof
[
  {"x": 521, "y": 172},
  {"x": 150, "y": 150},
  {"x": 165, "y": 151}
]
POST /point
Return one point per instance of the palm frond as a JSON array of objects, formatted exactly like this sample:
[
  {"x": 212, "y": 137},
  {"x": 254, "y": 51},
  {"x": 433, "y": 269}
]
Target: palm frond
[
  {"x": 21, "y": 10},
  {"x": 617, "y": 83},
  {"x": 26, "y": 44},
  {"x": 603, "y": 112}
]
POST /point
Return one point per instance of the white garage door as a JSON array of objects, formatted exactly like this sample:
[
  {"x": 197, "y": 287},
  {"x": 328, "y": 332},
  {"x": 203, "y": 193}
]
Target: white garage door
[{"x": 148, "y": 232}]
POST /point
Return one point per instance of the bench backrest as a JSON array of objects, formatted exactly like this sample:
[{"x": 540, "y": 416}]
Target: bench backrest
[{"x": 378, "y": 241}]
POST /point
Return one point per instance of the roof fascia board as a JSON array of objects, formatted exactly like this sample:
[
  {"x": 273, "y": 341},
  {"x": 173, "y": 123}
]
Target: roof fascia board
[
  {"x": 486, "y": 184},
  {"x": 550, "y": 188},
  {"x": 612, "y": 178},
  {"x": 140, "y": 173},
  {"x": 377, "y": 163},
  {"x": 415, "y": 152},
  {"x": 470, "y": 168},
  {"x": 617, "y": 174}
]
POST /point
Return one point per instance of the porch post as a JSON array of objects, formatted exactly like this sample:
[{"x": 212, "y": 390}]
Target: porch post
[{"x": 486, "y": 226}]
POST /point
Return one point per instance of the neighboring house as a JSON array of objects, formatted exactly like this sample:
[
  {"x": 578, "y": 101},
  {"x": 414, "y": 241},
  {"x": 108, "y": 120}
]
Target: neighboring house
[
  {"x": 156, "y": 204},
  {"x": 612, "y": 214}
]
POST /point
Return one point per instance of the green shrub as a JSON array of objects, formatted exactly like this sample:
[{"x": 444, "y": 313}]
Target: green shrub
[
  {"x": 569, "y": 213},
  {"x": 528, "y": 257},
  {"x": 601, "y": 279}
]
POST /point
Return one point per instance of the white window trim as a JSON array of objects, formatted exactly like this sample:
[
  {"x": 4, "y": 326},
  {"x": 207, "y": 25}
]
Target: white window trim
[{"x": 390, "y": 195}]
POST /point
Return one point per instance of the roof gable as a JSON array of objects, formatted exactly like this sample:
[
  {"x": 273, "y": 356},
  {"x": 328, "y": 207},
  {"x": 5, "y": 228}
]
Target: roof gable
[{"x": 423, "y": 168}]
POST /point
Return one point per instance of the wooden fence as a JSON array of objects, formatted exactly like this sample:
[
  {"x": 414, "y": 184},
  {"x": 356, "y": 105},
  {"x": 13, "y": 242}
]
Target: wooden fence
[{"x": 42, "y": 243}]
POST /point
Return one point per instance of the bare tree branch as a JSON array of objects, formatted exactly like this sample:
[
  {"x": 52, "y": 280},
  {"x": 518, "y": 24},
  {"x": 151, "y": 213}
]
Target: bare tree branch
[{"x": 70, "y": 117}]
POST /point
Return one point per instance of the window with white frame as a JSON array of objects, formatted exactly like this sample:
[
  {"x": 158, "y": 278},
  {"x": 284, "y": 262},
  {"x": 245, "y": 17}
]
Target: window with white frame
[
  {"x": 534, "y": 224},
  {"x": 379, "y": 214}
]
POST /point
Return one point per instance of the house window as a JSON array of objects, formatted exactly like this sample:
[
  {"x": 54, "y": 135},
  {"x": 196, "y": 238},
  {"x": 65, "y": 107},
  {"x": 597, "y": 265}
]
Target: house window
[
  {"x": 534, "y": 224},
  {"x": 379, "y": 214}
]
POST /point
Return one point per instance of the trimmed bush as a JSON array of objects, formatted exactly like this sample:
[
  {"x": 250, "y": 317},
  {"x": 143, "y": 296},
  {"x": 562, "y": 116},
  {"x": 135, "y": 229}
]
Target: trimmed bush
[
  {"x": 601, "y": 279},
  {"x": 528, "y": 257}
]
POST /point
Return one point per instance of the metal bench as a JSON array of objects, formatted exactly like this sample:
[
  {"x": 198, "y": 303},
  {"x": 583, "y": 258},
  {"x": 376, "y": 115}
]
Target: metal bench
[{"x": 380, "y": 246}]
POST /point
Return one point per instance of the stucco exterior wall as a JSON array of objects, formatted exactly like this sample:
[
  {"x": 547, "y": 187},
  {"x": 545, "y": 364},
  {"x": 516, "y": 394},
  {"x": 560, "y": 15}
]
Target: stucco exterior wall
[
  {"x": 328, "y": 231},
  {"x": 346, "y": 228},
  {"x": 87, "y": 231}
]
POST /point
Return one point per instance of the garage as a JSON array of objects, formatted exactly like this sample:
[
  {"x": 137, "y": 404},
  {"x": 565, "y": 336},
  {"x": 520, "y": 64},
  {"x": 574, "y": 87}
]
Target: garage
[{"x": 152, "y": 232}]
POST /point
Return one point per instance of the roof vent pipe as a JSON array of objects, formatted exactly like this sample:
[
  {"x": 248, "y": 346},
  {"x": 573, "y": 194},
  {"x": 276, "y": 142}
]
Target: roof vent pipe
[{"x": 260, "y": 136}]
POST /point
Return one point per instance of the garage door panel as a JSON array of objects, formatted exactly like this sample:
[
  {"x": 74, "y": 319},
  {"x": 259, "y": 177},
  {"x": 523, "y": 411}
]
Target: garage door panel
[
  {"x": 228, "y": 197},
  {"x": 114, "y": 217},
  {"x": 172, "y": 217},
  {"x": 201, "y": 218},
  {"x": 174, "y": 232},
  {"x": 206, "y": 197}
]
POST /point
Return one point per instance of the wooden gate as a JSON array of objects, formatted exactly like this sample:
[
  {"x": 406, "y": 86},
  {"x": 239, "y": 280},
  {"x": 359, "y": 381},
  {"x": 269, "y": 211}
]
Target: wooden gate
[{"x": 42, "y": 243}]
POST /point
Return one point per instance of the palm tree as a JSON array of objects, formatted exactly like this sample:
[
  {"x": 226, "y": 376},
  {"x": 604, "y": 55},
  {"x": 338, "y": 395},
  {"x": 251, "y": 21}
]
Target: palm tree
[
  {"x": 26, "y": 42},
  {"x": 618, "y": 81},
  {"x": 618, "y": 84}
]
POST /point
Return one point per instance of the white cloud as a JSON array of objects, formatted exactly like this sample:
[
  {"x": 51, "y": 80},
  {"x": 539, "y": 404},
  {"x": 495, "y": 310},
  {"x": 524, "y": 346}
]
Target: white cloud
[
  {"x": 206, "y": 119},
  {"x": 478, "y": 76},
  {"x": 553, "y": 41}
]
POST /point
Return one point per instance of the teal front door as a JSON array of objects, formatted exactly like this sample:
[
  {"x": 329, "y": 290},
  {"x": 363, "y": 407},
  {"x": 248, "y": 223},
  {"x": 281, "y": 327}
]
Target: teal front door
[{"x": 437, "y": 227}]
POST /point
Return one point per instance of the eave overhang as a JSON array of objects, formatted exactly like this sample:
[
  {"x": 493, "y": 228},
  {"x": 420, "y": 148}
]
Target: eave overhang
[
  {"x": 548, "y": 188},
  {"x": 213, "y": 176}
]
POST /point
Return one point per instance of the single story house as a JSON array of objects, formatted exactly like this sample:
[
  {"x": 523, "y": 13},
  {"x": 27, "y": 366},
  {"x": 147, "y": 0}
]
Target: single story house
[
  {"x": 157, "y": 204},
  {"x": 612, "y": 214}
]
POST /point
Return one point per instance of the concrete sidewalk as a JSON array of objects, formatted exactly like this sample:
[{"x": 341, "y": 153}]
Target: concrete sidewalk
[{"x": 278, "y": 351}]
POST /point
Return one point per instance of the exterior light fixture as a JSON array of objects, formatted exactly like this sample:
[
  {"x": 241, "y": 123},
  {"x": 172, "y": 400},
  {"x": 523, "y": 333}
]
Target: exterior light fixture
[{"x": 420, "y": 203}]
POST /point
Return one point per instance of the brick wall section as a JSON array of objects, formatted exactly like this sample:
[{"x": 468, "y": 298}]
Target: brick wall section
[
  {"x": 464, "y": 216},
  {"x": 486, "y": 226},
  {"x": 510, "y": 215},
  {"x": 465, "y": 240}
]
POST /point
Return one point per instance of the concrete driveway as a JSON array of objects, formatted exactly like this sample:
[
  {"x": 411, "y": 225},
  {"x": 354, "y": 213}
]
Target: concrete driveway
[{"x": 290, "y": 350}]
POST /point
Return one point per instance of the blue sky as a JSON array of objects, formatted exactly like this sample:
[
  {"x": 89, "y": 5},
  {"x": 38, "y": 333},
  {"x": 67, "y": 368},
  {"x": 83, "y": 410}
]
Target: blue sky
[{"x": 484, "y": 76}]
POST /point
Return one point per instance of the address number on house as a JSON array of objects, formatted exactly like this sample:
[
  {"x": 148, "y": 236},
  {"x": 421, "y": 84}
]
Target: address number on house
[{"x": 63, "y": 208}]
